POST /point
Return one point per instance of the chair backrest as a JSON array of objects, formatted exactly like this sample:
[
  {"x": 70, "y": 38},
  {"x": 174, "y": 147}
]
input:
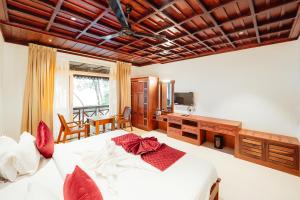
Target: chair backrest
[
  {"x": 62, "y": 122},
  {"x": 127, "y": 113}
]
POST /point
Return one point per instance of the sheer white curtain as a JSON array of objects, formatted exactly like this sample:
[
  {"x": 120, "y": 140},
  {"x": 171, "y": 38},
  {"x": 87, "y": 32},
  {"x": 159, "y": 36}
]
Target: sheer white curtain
[
  {"x": 112, "y": 91},
  {"x": 61, "y": 94}
]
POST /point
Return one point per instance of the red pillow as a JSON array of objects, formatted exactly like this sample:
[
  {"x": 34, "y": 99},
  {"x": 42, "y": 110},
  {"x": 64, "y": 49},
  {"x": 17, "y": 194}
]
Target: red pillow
[
  {"x": 44, "y": 140},
  {"x": 79, "y": 186}
]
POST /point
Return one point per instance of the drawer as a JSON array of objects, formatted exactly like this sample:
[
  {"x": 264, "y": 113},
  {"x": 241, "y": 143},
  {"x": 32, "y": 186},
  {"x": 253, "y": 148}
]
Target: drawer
[
  {"x": 228, "y": 130},
  {"x": 283, "y": 155},
  {"x": 174, "y": 120},
  {"x": 252, "y": 147},
  {"x": 174, "y": 131},
  {"x": 190, "y": 129},
  {"x": 252, "y": 142}
]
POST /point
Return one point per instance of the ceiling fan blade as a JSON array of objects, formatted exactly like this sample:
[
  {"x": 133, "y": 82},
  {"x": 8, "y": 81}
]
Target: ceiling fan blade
[
  {"x": 109, "y": 37},
  {"x": 147, "y": 35},
  {"x": 117, "y": 9}
]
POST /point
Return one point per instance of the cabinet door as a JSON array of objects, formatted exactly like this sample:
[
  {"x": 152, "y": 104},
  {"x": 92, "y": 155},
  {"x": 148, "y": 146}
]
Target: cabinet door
[
  {"x": 140, "y": 109},
  {"x": 134, "y": 102}
]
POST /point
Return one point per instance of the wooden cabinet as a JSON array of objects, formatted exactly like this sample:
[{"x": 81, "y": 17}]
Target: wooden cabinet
[
  {"x": 144, "y": 101},
  {"x": 271, "y": 150}
]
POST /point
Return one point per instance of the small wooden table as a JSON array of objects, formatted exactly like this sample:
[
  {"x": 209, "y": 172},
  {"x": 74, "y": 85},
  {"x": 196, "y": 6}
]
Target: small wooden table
[{"x": 102, "y": 120}]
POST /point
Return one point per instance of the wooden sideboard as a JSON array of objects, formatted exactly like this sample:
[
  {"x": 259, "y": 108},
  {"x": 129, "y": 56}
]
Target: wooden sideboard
[
  {"x": 271, "y": 150},
  {"x": 198, "y": 129}
]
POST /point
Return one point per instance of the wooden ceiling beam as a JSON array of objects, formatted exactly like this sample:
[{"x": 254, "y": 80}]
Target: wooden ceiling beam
[
  {"x": 92, "y": 23},
  {"x": 174, "y": 25},
  {"x": 22, "y": 26},
  {"x": 180, "y": 27},
  {"x": 156, "y": 11},
  {"x": 55, "y": 12},
  {"x": 295, "y": 24},
  {"x": 204, "y": 9},
  {"x": 254, "y": 37},
  {"x": 260, "y": 25},
  {"x": 254, "y": 19},
  {"x": 3, "y": 4}
]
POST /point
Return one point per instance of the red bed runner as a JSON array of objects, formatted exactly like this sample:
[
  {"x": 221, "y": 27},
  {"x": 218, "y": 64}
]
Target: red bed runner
[{"x": 156, "y": 154}]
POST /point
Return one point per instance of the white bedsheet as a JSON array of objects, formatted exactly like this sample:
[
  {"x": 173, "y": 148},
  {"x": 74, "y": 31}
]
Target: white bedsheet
[
  {"x": 190, "y": 178},
  {"x": 46, "y": 184}
]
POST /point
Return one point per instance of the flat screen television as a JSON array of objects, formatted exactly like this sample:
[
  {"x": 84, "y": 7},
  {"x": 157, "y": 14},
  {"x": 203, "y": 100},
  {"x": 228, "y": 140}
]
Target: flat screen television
[{"x": 184, "y": 98}]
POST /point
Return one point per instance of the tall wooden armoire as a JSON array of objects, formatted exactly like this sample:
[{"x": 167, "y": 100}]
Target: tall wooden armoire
[{"x": 144, "y": 91}]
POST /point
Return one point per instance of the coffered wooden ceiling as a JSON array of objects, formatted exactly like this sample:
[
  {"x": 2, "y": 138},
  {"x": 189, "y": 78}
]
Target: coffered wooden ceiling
[{"x": 193, "y": 28}]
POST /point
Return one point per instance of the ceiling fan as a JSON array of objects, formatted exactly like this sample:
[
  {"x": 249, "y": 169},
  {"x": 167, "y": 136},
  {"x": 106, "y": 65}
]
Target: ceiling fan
[{"x": 126, "y": 28}]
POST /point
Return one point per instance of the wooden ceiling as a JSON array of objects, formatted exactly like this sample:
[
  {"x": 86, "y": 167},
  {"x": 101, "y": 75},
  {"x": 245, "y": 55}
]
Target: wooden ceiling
[{"x": 193, "y": 28}]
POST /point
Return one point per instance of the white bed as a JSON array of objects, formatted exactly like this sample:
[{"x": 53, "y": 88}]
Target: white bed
[
  {"x": 46, "y": 184},
  {"x": 190, "y": 178}
]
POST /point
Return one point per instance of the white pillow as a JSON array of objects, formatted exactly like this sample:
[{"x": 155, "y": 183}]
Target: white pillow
[
  {"x": 27, "y": 155},
  {"x": 7, "y": 158}
]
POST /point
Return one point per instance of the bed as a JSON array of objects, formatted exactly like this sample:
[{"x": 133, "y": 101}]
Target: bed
[
  {"x": 190, "y": 178},
  {"x": 46, "y": 182}
]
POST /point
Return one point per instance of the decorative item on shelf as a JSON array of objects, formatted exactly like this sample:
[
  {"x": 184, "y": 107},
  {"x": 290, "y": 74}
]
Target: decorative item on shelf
[
  {"x": 158, "y": 112},
  {"x": 219, "y": 142},
  {"x": 189, "y": 110}
]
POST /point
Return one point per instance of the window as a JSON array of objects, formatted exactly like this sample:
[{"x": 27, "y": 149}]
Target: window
[{"x": 90, "y": 91}]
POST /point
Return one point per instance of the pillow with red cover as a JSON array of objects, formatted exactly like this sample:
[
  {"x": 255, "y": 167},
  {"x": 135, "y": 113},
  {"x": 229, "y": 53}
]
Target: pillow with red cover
[
  {"x": 44, "y": 140},
  {"x": 79, "y": 186}
]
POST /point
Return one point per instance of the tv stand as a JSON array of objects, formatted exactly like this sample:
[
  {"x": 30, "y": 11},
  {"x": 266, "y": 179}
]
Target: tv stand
[{"x": 198, "y": 129}]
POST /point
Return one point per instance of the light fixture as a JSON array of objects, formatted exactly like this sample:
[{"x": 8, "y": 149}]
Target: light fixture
[
  {"x": 168, "y": 43},
  {"x": 73, "y": 18},
  {"x": 241, "y": 32}
]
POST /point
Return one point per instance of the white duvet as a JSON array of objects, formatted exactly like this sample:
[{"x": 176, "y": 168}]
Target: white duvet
[{"x": 123, "y": 176}]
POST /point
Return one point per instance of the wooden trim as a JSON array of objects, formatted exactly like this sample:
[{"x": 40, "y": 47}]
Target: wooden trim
[
  {"x": 92, "y": 24},
  {"x": 295, "y": 24},
  {"x": 252, "y": 9},
  {"x": 4, "y": 7},
  {"x": 55, "y": 12},
  {"x": 73, "y": 72},
  {"x": 214, "y": 190}
]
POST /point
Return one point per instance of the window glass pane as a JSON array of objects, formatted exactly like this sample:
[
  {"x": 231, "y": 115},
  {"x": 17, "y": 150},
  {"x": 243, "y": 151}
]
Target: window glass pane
[{"x": 90, "y": 91}]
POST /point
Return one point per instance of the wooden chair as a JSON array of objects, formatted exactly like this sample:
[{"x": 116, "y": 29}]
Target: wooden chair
[
  {"x": 70, "y": 128},
  {"x": 124, "y": 118}
]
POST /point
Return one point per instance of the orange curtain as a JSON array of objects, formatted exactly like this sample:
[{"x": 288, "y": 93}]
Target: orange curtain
[
  {"x": 123, "y": 85},
  {"x": 39, "y": 88}
]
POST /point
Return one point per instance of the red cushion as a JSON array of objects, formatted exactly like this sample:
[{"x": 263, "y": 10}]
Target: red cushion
[
  {"x": 44, "y": 140},
  {"x": 79, "y": 186}
]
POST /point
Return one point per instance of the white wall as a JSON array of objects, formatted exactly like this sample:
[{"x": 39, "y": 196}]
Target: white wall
[
  {"x": 14, "y": 75},
  {"x": 258, "y": 86}
]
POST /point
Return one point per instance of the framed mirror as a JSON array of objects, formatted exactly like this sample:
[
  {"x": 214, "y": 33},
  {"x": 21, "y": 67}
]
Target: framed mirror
[{"x": 166, "y": 96}]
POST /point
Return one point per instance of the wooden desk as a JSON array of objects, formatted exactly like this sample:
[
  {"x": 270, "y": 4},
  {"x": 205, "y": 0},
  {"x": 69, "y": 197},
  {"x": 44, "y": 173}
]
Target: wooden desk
[
  {"x": 193, "y": 128},
  {"x": 102, "y": 120}
]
